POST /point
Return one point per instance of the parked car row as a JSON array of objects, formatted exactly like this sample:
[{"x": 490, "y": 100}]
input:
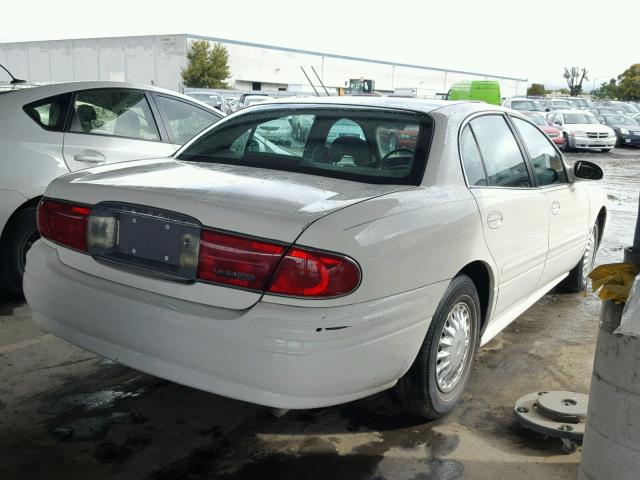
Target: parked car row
[
  {"x": 596, "y": 125},
  {"x": 536, "y": 104},
  {"x": 51, "y": 130}
]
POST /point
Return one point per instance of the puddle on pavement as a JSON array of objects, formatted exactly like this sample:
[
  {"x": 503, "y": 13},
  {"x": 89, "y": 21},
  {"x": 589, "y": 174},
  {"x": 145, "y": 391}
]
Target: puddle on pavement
[
  {"x": 89, "y": 428},
  {"x": 111, "y": 452},
  {"x": 309, "y": 444}
]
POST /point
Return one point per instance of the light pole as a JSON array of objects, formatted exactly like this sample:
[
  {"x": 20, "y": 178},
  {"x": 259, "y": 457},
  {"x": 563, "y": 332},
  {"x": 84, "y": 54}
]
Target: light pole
[{"x": 593, "y": 85}]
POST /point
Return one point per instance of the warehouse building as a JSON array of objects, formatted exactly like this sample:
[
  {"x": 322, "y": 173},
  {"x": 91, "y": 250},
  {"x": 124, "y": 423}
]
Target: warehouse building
[{"x": 159, "y": 59}]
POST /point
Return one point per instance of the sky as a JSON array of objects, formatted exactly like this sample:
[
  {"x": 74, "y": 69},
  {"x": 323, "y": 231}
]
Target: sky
[{"x": 524, "y": 39}]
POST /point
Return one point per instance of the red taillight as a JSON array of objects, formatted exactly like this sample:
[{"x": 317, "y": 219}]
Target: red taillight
[
  {"x": 235, "y": 260},
  {"x": 308, "y": 273},
  {"x": 247, "y": 263},
  {"x": 63, "y": 223}
]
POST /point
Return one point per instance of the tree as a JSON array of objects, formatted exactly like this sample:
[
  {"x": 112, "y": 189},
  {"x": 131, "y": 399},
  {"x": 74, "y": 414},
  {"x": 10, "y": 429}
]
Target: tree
[
  {"x": 606, "y": 90},
  {"x": 208, "y": 67},
  {"x": 574, "y": 77},
  {"x": 536, "y": 90},
  {"x": 629, "y": 83}
]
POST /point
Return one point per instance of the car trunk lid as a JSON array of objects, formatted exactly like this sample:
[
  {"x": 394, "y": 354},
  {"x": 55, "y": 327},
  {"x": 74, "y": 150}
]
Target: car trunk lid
[{"x": 268, "y": 204}]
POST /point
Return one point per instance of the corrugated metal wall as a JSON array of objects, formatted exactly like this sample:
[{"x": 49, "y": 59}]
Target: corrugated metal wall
[
  {"x": 155, "y": 60},
  {"x": 159, "y": 59}
]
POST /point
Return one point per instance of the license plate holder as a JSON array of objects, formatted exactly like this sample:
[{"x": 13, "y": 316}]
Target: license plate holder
[{"x": 154, "y": 241}]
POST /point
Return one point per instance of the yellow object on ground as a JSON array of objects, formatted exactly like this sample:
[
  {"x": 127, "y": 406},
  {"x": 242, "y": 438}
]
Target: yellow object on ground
[{"x": 615, "y": 279}]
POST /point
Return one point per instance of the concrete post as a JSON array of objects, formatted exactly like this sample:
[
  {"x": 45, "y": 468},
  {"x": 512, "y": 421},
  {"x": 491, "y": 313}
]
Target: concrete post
[{"x": 611, "y": 447}]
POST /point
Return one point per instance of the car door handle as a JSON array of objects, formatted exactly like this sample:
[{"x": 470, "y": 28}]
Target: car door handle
[
  {"x": 555, "y": 208},
  {"x": 494, "y": 219},
  {"x": 90, "y": 157}
]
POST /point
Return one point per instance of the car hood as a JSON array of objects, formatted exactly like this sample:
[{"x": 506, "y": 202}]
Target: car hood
[
  {"x": 265, "y": 203},
  {"x": 591, "y": 127},
  {"x": 635, "y": 128},
  {"x": 550, "y": 129}
]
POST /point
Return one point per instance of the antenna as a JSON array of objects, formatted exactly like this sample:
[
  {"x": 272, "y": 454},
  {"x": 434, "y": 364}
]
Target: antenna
[{"x": 14, "y": 80}]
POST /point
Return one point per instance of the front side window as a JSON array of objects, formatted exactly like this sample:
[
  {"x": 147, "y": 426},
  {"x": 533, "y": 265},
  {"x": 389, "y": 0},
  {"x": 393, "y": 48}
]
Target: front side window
[
  {"x": 471, "y": 159},
  {"x": 344, "y": 128},
  {"x": 185, "y": 121},
  {"x": 120, "y": 113},
  {"x": 353, "y": 144},
  {"x": 50, "y": 113},
  {"x": 545, "y": 159},
  {"x": 395, "y": 136},
  {"x": 502, "y": 157}
]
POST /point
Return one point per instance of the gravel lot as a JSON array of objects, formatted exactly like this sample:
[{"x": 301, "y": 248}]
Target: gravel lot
[{"x": 65, "y": 413}]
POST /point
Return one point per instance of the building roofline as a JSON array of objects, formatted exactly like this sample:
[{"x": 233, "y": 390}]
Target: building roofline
[
  {"x": 347, "y": 57},
  {"x": 288, "y": 49}
]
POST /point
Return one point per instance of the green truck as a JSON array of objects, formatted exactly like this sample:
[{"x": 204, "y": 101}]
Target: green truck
[{"x": 481, "y": 90}]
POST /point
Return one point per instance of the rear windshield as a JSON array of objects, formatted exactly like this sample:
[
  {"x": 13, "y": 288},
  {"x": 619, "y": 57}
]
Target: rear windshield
[
  {"x": 361, "y": 144},
  {"x": 619, "y": 120},
  {"x": 525, "y": 105}
]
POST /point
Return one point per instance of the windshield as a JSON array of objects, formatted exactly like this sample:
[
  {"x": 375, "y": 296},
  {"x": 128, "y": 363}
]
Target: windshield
[
  {"x": 525, "y": 105},
  {"x": 619, "y": 120},
  {"x": 360, "y": 144},
  {"x": 579, "y": 102},
  {"x": 571, "y": 118},
  {"x": 537, "y": 119},
  {"x": 625, "y": 107}
]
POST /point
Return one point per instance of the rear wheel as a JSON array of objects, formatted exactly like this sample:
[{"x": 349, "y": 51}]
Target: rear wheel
[
  {"x": 434, "y": 384},
  {"x": 21, "y": 234},
  {"x": 578, "y": 278}
]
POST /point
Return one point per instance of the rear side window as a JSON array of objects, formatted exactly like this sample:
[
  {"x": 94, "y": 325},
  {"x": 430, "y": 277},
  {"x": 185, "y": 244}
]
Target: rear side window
[
  {"x": 116, "y": 112},
  {"x": 502, "y": 157},
  {"x": 545, "y": 159},
  {"x": 50, "y": 113},
  {"x": 184, "y": 120},
  {"x": 471, "y": 159},
  {"x": 351, "y": 143}
]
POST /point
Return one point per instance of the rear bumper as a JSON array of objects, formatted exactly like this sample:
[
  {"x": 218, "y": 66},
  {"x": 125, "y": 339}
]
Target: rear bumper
[{"x": 275, "y": 355}]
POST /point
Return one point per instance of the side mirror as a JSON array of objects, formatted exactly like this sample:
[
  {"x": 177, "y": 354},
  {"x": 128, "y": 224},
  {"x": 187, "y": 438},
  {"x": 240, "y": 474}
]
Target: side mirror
[
  {"x": 547, "y": 109},
  {"x": 587, "y": 170}
]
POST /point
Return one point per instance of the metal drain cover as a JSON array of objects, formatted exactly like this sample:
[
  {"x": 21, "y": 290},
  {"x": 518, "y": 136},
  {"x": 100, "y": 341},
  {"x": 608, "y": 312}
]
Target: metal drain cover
[{"x": 554, "y": 414}]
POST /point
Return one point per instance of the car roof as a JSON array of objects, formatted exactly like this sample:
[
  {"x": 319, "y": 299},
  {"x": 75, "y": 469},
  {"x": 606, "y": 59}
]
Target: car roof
[
  {"x": 572, "y": 111},
  {"x": 397, "y": 103},
  {"x": 44, "y": 91}
]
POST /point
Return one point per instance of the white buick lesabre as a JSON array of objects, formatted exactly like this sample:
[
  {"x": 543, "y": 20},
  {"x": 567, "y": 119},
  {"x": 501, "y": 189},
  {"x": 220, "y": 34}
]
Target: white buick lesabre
[{"x": 324, "y": 269}]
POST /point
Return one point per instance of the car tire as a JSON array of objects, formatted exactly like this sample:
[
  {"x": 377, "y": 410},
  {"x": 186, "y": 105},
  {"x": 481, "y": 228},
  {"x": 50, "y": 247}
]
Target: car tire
[
  {"x": 567, "y": 147},
  {"x": 21, "y": 234},
  {"x": 578, "y": 280},
  {"x": 423, "y": 390}
]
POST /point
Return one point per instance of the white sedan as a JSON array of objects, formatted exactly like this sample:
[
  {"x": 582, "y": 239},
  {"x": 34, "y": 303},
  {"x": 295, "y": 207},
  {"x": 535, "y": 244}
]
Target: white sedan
[
  {"x": 316, "y": 274},
  {"x": 50, "y": 130}
]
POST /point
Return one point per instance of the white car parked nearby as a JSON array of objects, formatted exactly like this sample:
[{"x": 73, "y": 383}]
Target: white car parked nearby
[
  {"x": 311, "y": 276},
  {"x": 51, "y": 130},
  {"x": 582, "y": 130}
]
